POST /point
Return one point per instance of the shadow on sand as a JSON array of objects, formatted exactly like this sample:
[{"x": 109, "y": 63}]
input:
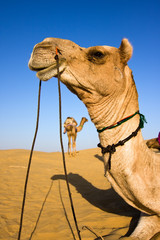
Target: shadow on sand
[
  {"x": 99, "y": 157},
  {"x": 107, "y": 200}
]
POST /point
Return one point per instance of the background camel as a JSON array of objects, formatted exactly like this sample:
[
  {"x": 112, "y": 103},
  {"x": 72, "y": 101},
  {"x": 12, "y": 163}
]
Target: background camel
[
  {"x": 71, "y": 129},
  {"x": 154, "y": 142},
  {"x": 101, "y": 78}
]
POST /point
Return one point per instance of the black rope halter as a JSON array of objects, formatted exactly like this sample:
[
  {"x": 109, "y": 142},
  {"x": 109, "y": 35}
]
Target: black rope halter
[{"x": 112, "y": 148}]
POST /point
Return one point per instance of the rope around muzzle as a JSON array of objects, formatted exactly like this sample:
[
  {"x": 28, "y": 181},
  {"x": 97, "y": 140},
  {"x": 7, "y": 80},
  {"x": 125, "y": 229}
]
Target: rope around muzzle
[{"x": 62, "y": 148}]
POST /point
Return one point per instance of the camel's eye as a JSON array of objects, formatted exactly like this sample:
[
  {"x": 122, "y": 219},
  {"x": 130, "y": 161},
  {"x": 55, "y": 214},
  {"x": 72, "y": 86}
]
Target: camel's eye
[{"x": 96, "y": 56}]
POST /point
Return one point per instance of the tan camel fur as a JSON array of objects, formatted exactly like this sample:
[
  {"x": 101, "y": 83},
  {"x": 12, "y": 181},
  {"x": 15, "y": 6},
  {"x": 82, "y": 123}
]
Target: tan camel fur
[
  {"x": 71, "y": 129},
  {"x": 153, "y": 143},
  {"x": 101, "y": 78}
]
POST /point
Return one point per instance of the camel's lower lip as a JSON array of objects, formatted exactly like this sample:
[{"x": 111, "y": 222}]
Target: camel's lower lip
[
  {"x": 46, "y": 73},
  {"x": 49, "y": 72}
]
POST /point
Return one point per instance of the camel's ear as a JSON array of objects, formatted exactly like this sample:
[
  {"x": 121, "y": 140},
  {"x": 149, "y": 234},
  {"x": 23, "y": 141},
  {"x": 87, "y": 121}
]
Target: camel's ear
[
  {"x": 74, "y": 121},
  {"x": 125, "y": 50}
]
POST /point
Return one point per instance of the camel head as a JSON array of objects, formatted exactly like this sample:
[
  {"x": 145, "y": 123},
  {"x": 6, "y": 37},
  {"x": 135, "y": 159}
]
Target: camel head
[
  {"x": 70, "y": 121},
  {"x": 91, "y": 73},
  {"x": 82, "y": 69}
]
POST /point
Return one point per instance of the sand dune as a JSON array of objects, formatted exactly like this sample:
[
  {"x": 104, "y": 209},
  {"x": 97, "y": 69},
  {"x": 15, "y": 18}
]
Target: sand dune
[{"x": 47, "y": 211}]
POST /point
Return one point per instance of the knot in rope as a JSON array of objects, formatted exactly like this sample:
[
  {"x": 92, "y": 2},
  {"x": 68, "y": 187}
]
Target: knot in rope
[{"x": 109, "y": 149}]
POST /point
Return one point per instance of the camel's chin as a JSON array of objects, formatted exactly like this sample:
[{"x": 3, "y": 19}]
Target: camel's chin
[{"x": 44, "y": 78}]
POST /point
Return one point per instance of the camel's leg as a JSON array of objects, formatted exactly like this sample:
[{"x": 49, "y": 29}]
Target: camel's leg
[
  {"x": 74, "y": 145},
  {"x": 147, "y": 227},
  {"x": 69, "y": 145}
]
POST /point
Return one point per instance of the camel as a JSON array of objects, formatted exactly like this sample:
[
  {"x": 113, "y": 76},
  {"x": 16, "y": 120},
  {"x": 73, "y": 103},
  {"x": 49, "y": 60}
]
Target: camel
[
  {"x": 102, "y": 80},
  {"x": 154, "y": 142},
  {"x": 71, "y": 129}
]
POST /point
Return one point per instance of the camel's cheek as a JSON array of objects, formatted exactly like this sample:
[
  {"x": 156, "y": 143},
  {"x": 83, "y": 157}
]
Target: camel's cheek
[
  {"x": 102, "y": 87},
  {"x": 109, "y": 86}
]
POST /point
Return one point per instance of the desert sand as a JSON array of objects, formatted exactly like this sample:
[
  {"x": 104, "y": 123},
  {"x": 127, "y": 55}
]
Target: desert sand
[{"x": 47, "y": 212}]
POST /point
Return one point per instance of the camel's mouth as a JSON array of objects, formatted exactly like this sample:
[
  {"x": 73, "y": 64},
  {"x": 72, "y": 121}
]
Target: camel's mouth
[{"x": 46, "y": 71}]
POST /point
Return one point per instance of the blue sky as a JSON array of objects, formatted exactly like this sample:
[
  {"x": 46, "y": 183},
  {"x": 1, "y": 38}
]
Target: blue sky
[{"x": 87, "y": 23}]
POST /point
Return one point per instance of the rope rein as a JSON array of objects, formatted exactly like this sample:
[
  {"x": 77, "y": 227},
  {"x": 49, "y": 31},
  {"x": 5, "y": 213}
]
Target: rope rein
[
  {"x": 62, "y": 148},
  {"x": 29, "y": 164},
  {"x": 31, "y": 153}
]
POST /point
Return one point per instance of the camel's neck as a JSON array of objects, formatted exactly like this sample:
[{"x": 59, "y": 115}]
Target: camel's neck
[
  {"x": 79, "y": 128},
  {"x": 111, "y": 109},
  {"x": 83, "y": 120}
]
